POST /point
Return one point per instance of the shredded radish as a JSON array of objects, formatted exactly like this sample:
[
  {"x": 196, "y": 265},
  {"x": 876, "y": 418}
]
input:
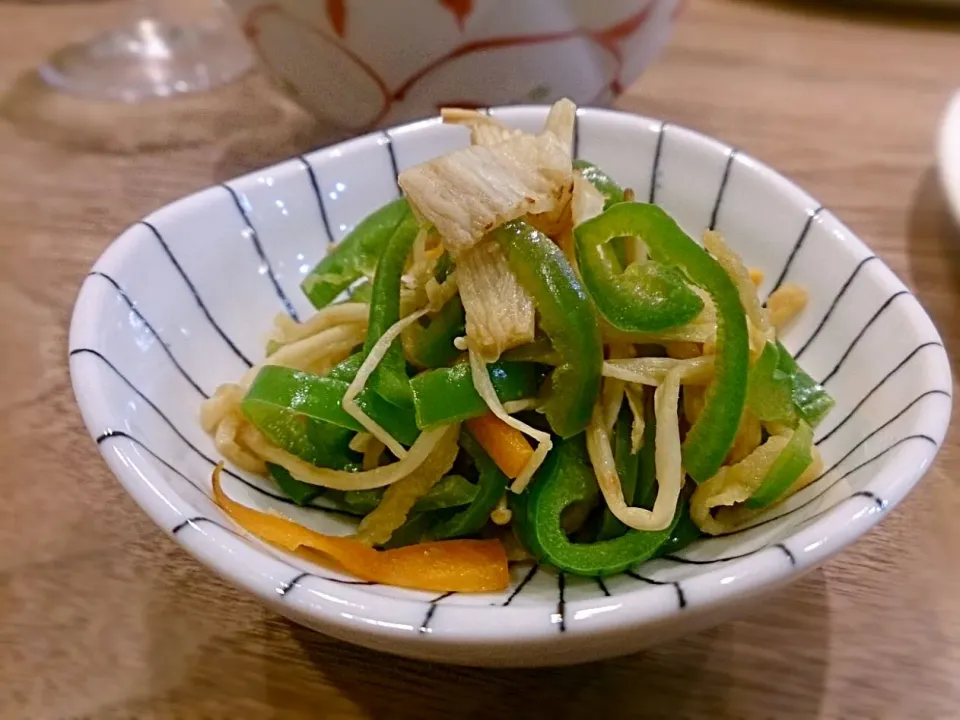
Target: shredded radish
[
  {"x": 225, "y": 440},
  {"x": 734, "y": 484},
  {"x": 635, "y": 399},
  {"x": 392, "y": 511},
  {"x": 225, "y": 399},
  {"x": 363, "y": 374},
  {"x": 734, "y": 267},
  {"x": 341, "y": 479},
  {"x": 287, "y": 331},
  {"x": 515, "y": 406},
  {"x": 501, "y": 514},
  {"x": 653, "y": 371},
  {"x": 360, "y": 441},
  {"x": 372, "y": 453},
  {"x": 670, "y": 473},
  {"x": 327, "y": 348},
  {"x": 485, "y": 389}
]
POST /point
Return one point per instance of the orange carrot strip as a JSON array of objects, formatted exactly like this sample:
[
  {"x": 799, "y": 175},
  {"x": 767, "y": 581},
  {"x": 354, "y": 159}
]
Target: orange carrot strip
[
  {"x": 506, "y": 446},
  {"x": 446, "y": 565}
]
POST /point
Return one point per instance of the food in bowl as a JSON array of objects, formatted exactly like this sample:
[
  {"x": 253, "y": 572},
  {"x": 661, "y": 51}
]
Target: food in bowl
[{"x": 516, "y": 360}]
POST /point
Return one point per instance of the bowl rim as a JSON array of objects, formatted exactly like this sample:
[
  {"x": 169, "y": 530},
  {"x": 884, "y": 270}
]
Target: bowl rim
[{"x": 334, "y": 606}]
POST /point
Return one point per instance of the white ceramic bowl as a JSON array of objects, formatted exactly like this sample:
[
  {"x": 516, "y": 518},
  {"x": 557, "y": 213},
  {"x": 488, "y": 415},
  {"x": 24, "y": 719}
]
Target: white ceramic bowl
[
  {"x": 948, "y": 155},
  {"x": 181, "y": 301},
  {"x": 365, "y": 63}
]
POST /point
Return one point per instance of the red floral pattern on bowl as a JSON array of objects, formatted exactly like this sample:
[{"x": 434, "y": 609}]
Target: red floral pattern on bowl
[{"x": 366, "y": 63}]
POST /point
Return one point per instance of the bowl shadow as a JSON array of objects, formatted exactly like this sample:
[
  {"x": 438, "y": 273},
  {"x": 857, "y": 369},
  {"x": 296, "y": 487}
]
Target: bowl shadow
[
  {"x": 771, "y": 664},
  {"x": 884, "y": 12},
  {"x": 274, "y": 143},
  {"x": 933, "y": 256}
]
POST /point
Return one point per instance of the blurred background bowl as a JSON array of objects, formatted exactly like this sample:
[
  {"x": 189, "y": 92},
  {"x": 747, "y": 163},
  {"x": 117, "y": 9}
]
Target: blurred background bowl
[{"x": 360, "y": 64}]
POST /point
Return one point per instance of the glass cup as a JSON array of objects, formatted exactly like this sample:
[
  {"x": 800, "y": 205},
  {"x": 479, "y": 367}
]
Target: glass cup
[{"x": 168, "y": 47}]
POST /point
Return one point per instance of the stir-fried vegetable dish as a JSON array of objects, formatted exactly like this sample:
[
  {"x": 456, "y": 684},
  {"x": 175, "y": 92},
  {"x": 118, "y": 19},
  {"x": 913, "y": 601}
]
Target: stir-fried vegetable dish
[{"x": 518, "y": 361}]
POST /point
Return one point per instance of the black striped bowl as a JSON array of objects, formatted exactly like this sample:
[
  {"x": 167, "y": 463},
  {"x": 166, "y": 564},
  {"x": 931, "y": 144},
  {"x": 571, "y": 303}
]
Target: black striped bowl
[{"x": 181, "y": 301}]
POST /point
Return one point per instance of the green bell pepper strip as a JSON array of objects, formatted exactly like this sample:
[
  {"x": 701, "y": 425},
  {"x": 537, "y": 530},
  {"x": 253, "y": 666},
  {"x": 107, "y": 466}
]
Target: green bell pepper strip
[
  {"x": 649, "y": 296},
  {"x": 410, "y": 533},
  {"x": 390, "y": 377},
  {"x": 362, "y": 292},
  {"x": 538, "y": 351},
  {"x": 790, "y": 464},
  {"x": 356, "y": 255},
  {"x": 612, "y": 194},
  {"x": 684, "y": 533},
  {"x": 568, "y": 319},
  {"x": 453, "y": 491},
  {"x": 300, "y": 492},
  {"x": 433, "y": 345},
  {"x": 811, "y": 400},
  {"x": 628, "y": 467},
  {"x": 346, "y": 369},
  {"x": 769, "y": 390},
  {"x": 315, "y": 440},
  {"x": 281, "y": 396},
  {"x": 564, "y": 479},
  {"x": 358, "y": 502},
  {"x": 611, "y": 191},
  {"x": 490, "y": 487},
  {"x": 304, "y": 426},
  {"x": 447, "y": 395},
  {"x": 709, "y": 440},
  {"x": 638, "y": 473},
  {"x": 443, "y": 268}
]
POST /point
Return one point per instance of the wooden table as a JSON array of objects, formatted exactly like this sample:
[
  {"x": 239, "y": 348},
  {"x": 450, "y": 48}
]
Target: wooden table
[{"x": 102, "y": 616}]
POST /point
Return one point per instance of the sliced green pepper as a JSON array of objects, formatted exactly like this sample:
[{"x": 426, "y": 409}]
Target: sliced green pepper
[
  {"x": 628, "y": 467},
  {"x": 410, "y": 533},
  {"x": 790, "y": 464},
  {"x": 433, "y": 345},
  {"x": 685, "y": 532},
  {"x": 282, "y": 397},
  {"x": 362, "y": 292},
  {"x": 709, "y": 440},
  {"x": 356, "y": 255},
  {"x": 347, "y": 369},
  {"x": 447, "y": 395},
  {"x": 390, "y": 377},
  {"x": 313, "y": 439},
  {"x": 649, "y": 296},
  {"x": 358, "y": 502},
  {"x": 638, "y": 473},
  {"x": 538, "y": 351},
  {"x": 300, "y": 492},
  {"x": 304, "y": 426},
  {"x": 564, "y": 479},
  {"x": 611, "y": 191},
  {"x": 490, "y": 488},
  {"x": 612, "y": 194},
  {"x": 443, "y": 268},
  {"x": 769, "y": 390},
  {"x": 811, "y": 400},
  {"x": 567, "y": 318},
  {"x": 452, "y": 491}
]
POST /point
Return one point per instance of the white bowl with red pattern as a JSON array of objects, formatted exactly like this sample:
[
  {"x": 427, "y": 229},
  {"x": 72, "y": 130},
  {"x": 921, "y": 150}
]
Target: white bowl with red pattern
[{"x": 360, "y": 64}]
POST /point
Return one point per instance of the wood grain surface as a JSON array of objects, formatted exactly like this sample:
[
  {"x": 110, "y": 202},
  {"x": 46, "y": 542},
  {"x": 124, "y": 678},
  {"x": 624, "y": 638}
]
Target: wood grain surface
[{"x": 102, "y": 616}]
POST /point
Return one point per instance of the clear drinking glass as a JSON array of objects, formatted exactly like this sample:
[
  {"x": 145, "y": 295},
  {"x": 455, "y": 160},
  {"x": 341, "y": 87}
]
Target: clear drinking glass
[{"x": 168, "y": 47}]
